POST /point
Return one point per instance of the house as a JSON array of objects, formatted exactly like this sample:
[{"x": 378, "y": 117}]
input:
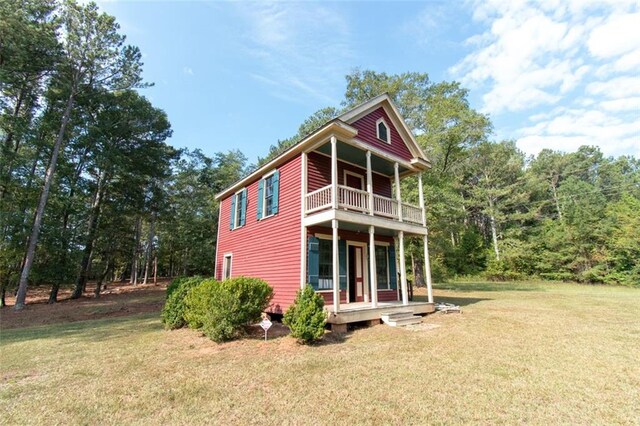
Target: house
[{"x": 329, "y": 212}]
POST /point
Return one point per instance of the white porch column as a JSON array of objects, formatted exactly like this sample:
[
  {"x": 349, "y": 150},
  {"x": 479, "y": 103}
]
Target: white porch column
[
  {"x": 398, "y": 197},
  {"x": 334, "y": 172},
  {"x": 427, "y": 269},
  {"x": 372, "y": 267},
  {"x": 370, "y": 183},
  {"x": 427, "y": 264},
  {"x": 303, "y": 230},
  {"x": 403, "y": 269},
  {"x": 336, "y": 268},
  {"x": 421, "y": 195}
]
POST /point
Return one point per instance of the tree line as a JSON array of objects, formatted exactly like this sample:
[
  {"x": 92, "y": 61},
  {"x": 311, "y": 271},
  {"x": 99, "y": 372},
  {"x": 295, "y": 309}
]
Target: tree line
[{"x": 90, "y": 188}]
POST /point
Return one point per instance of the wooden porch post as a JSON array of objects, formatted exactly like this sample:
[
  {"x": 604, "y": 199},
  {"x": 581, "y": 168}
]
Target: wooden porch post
[
  {"x": 369, "y": 183},
  {"x": 336, "y": 268},
  {"x": 403, "y": 269},
  {"x": 334, "y": 172},
  {"x": 303, "y": 230},
  {"x": 398, "y": 197},
  {"x": 427, "y": 269},
  {"x": 372, "y": 267},
  {"x": 427, "y": 265}
]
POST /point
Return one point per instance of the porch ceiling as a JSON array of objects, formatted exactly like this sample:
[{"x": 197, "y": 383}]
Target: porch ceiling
[{"x": 358, "y": 157}]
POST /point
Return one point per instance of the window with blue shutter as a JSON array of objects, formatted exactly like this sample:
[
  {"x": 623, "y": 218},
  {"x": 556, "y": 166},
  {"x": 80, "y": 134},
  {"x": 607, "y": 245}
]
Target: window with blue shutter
[
  {"x": 313, "y": 262},
  {"x": 268, "y": 193},
  {"x": 260, "y": 198},
  {"x": 238, "y": 209},
  {"x": 393, "y": 274}
]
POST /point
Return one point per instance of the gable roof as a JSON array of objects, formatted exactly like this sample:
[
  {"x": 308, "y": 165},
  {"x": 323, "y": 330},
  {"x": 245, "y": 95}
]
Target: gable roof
[{"x": 340, "y": 126}]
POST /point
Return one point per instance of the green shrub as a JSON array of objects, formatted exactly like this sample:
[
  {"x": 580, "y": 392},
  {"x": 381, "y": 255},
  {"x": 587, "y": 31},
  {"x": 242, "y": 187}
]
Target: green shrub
[
  {"x": 197, "y": 302},
  {"x": 223, "y": 309},
  {"x": 174, "y": 307},
  {"x": 306, "y": 317}
]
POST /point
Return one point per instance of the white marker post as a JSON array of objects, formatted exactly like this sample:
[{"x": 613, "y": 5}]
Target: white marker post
[{"x": 266, "y": 325}]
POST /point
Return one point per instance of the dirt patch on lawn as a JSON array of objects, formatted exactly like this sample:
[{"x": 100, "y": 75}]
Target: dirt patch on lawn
[{"x": 120, "y": 299}]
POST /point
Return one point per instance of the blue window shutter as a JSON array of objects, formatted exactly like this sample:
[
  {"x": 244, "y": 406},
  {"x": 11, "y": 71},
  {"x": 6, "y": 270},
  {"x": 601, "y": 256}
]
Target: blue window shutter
[
  {"x": 233, "y": 211},
  {"x": 243, "y": 208},
  {"x": 260, "y": 192},
  {"x": 393, "y": 273},
  {"x": 313, "y": 262},
  {"x": 276, "y": 187},
  {"x": 342, "y": 261}
]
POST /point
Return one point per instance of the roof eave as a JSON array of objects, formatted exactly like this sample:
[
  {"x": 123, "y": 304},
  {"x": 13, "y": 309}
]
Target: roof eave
[{"x": 335, "y": 127}]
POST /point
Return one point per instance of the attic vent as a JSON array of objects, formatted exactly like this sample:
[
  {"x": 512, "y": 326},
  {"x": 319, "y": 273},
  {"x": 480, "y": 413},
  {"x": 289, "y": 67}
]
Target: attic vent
[{"x": 382, "y": 130}]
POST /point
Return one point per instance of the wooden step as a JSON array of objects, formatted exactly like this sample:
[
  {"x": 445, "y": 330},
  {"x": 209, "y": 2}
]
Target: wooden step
[{"x": 398, "y": 319}]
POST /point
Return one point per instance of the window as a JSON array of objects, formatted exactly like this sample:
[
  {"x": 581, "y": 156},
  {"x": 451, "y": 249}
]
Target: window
[
  {"x": 238, "y": 209},
  {"x": 268, "y": 189},
  {"x": 325, "y": 261},
  {"x": 226, "y": 266},
  {"x": 382, "y": 130},
  {"x": 382, "y": 267}
]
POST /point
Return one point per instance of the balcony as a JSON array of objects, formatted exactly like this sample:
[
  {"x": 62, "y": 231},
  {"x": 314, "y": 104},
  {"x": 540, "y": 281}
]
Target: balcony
[{"x": 362, "y": 201}]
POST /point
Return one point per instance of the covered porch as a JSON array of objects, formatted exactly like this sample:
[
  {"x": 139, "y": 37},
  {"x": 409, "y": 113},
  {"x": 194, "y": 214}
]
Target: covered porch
[{"x": 337, "y": 207}]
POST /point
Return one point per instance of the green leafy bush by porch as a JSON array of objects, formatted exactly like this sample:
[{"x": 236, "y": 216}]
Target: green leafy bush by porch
[
  {"x": 306, "y": 317},
  {"x": 222, "y": 310},
  {"x": 174, "y": 307}
]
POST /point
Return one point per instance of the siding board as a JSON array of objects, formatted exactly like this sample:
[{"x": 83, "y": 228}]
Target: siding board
[
  {"x": 267, "y": 248},
  {"x": 367, "y": 133}
]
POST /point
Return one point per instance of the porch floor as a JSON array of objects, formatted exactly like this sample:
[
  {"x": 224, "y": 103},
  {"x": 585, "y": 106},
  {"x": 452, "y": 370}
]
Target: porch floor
[{"x": 362, "y": 311}]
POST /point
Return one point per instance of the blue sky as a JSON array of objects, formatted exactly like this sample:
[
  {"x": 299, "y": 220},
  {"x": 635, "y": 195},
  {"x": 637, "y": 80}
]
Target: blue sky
[{"x": 551, "y": 74}]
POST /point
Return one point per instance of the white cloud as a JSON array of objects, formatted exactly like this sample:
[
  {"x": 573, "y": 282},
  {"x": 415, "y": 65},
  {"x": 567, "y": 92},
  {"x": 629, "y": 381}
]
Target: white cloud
[
  {"x": 572, "y": 67},
  {"x": 302, "y": 50},
  {"x": 618, "y": 35},
  {"x": 187, "y": 71}
]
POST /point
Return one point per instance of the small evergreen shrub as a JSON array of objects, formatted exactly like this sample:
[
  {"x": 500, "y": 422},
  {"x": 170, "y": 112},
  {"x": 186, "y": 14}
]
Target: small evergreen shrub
[
  {"x": 197, "y": 302},
  {"x": 306, "y": 317},
  {"x": 221, "y": 310},
  {"x": 174, "y": 307}
]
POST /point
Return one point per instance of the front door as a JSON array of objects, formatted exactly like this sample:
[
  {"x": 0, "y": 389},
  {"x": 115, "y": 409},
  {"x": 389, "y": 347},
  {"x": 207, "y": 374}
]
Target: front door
[{"x": 356, "y": 274}]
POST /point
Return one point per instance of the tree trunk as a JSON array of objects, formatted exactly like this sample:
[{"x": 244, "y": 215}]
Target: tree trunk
[
  {"x": 418, "y": 271},
  {"x": 81, "y": 283},
  {"x": 44, "y": 196},
  {"x": 494, "y": 236},
  {"x": 53, "y": 294},
  {"x": 149, "y": 251},
  {"x": 155, "y": 269},
  {"x": 554, "y": 190},
  {"x": 134, "y": 261},
  {"x": 101, "y": 278}
]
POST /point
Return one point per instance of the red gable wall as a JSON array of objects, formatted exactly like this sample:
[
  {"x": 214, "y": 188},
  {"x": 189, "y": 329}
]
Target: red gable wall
[
  {"x": 319, "y": 176},
  {"x": 269, "y": 248},
  {"x": 367, "y": 132}
]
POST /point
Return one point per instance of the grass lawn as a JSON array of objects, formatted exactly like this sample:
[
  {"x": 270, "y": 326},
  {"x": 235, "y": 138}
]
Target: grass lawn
[{"x": 520, "y": 353}]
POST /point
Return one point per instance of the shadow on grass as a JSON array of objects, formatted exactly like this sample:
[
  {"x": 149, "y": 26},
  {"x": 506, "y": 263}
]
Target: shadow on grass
[
  {"x": 85, "y": 331},
  {"x": 488, "y": 286},
  {"x": 460, "y": 301}
]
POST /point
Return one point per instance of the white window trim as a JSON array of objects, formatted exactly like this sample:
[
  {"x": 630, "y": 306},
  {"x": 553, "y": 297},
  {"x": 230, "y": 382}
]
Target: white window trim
[
  {"x": 236, "y": 218},
  {"x": 350, "y": 173},
  {"x": 224, "y": 265},
  {"x": 383, "y": 121},
  {"x": 264, "y": 194}
]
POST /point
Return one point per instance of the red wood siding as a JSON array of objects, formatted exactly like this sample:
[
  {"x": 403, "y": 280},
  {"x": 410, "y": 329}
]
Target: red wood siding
[
  {"x": 269, "y": 248},
  {"x": 383, "y": 295},
  {"x": 319, "y": 174},
  {"x": 367, "y": 133}
]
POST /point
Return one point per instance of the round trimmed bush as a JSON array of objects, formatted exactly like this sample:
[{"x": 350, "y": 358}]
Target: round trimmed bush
[
  {"x": 306, "y": 317},
  {"x": 173, "y": 310},
  {"x": 223, "y": 309}
]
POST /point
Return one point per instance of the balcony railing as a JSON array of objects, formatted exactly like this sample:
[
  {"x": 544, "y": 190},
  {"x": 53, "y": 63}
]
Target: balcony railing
[{"x": 358, "y": 200}]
